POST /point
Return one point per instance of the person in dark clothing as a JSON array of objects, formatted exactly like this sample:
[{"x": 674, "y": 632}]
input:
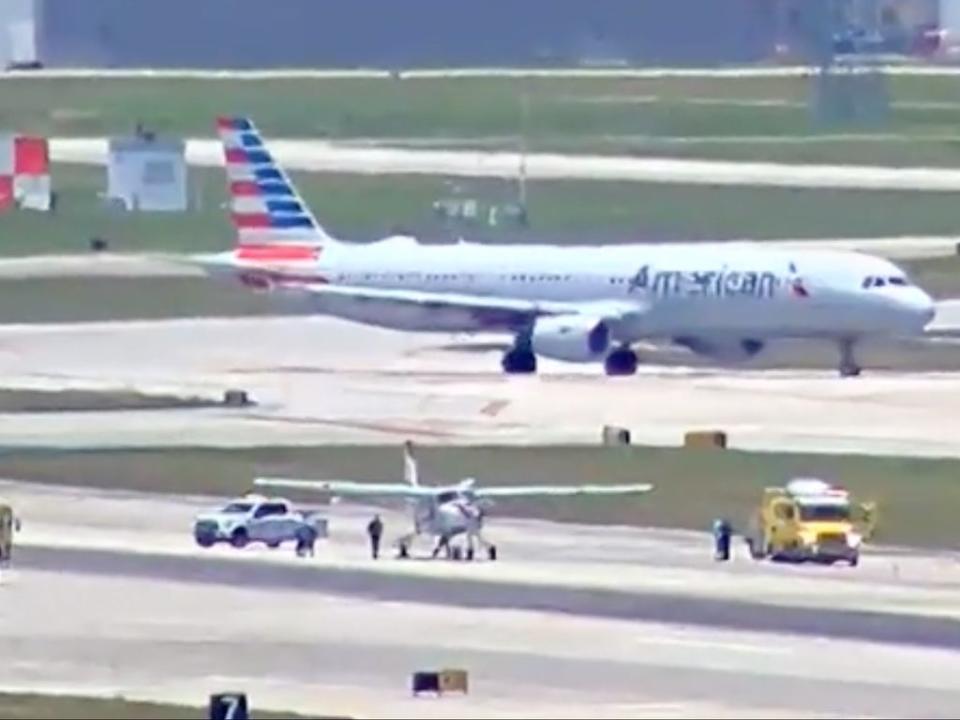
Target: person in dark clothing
[
  {"x": 722, "y": 530},
  {"x": 375, "y": 532},
  {"x": 306, "y": 538}
]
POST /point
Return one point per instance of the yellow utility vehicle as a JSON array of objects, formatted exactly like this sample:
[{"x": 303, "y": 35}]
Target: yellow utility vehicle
[{"x": 810, "y": 520}]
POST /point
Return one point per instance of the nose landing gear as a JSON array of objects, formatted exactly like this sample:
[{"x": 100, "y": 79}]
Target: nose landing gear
[{"x": 848, "y": 362}]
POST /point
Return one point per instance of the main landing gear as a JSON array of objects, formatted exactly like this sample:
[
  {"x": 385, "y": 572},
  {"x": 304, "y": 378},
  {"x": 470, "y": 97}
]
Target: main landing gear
[
  {"x": 519, "y": 360},
  {"x": 848, "y": 363},
  {"x": 622, "y": 361}
]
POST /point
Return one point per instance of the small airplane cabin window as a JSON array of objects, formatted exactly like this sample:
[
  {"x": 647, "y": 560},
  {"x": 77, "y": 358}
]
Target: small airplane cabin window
[
  {"x": 446, "y": 497},
  {"x": 901, "y": 281}
]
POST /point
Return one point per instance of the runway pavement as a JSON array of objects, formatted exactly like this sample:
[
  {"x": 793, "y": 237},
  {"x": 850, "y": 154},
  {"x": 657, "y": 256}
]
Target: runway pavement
[
  {"x": 330, "y": 156},
  {"x": 321, "y": 380},
  {"x": 605, "y": 572},
  {"x": 299, "y": 650},
  {"x": 108, "y": 595}
]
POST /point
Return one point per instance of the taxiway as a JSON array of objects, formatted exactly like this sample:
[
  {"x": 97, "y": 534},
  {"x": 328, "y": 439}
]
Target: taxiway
[
  {"x": 318, "y": 380},
  {"x": 109, "y": 594}
]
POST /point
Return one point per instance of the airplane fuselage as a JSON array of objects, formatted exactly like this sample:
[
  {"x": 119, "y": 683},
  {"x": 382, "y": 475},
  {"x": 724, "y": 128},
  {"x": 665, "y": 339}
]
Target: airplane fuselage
[
  {"x": 447, "y": 514},
  {"x": 575, "y": 304},
  {"x": 704, "y": 289}
]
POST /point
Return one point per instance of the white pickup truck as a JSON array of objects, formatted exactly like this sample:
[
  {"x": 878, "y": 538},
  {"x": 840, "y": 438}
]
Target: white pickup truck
[{"x": 255, "y": 518}]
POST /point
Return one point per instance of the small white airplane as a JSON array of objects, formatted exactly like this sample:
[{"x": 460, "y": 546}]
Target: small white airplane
[
  {"x": 444, "y": 512},
  {"x": 727, "y": 301}
]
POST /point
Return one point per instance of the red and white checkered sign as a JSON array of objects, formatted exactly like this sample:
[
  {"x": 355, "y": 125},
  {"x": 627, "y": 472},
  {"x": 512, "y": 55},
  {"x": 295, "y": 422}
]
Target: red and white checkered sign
[{"x": 24, "y": 172}]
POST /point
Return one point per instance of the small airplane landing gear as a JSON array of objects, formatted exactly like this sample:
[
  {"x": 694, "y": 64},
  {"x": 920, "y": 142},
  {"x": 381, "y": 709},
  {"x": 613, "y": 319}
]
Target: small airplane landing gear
[{"x": 492, "y": 552}]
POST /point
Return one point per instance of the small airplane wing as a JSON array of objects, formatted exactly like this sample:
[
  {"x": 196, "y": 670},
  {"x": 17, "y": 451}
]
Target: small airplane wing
[
  {"x": 346, "y": 488},
  {"x": 488, "y": 312},
  {"x": 516, "y": 491}
]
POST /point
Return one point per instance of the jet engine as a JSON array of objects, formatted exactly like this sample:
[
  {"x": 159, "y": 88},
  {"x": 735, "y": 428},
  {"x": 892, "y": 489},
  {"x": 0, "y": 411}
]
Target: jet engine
[
  {"x": 723, "y": 349},
  {"x": 572, "y": 338}
]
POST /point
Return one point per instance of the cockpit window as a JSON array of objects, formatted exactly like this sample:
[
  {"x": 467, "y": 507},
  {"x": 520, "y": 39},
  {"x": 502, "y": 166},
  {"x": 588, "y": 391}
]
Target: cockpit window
[{"x": 875, "y": 281}]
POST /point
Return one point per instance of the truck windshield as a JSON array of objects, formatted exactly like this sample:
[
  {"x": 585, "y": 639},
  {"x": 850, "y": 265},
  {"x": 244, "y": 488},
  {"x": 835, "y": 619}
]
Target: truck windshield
[
  {"x": 238, "y": 508},
  {"x": 824, "y": 513}
]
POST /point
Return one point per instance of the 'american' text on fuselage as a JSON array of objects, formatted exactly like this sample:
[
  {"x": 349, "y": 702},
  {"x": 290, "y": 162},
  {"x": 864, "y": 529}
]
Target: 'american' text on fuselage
[{"x": 707, "y": 283}]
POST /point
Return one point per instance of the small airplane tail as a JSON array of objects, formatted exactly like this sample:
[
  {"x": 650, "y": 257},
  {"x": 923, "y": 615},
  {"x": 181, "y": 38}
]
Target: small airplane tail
[
  {"x": 272, "y": 220},
  {"x": 410, "y": 471}
]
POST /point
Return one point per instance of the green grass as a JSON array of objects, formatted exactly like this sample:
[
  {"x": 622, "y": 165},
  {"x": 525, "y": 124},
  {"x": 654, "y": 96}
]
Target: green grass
[
  {"x": 83, "y": 299},
  {"x": 572, "y": 114},
  {"x": 366, "y": 207},
  {"x": 31, "y": 401},
  {"x": 917, "y": 497},
  {"x": 21, "y": 706},
  {"x": 471, "y": 107}
]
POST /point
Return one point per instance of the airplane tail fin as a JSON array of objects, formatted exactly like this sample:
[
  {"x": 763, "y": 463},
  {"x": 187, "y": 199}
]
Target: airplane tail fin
[
  {"x": 410, "y": 472},
  {"x": 272, "y": 220}
]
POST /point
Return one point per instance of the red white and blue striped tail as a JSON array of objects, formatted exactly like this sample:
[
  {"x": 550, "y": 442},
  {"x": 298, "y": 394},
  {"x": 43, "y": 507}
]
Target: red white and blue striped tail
[{"x": 272, "y": 220}]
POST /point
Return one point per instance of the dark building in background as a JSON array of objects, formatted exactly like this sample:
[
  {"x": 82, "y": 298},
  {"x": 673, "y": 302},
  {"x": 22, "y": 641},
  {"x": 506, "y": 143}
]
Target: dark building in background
[{"x": 393, "y": 34}]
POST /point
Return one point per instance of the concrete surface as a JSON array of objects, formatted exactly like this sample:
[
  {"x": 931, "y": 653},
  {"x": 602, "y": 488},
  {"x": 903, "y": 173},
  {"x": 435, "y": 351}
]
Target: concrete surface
[
  {"x": 149, "y": 630},
  {"x": 157, "y": 639},
  {"x": 643, "y": 574},
  {"x": 322, "y": 380},
  {"x": 323, "y": 155}
]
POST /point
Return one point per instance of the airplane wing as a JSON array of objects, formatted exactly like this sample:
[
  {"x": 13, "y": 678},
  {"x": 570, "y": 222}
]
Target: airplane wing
[
  {"x": 486, "y": 312},
  {"x": 560, "y": 490},
  {"x": 345, "y": 488}
]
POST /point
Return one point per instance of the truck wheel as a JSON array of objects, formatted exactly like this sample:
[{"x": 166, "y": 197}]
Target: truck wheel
[
  {"x": 855, "y": 560},
  {"x": 273, "y": 544},
  {"x": 205, "y": 541},
  {"x": 239, "y": 538}
]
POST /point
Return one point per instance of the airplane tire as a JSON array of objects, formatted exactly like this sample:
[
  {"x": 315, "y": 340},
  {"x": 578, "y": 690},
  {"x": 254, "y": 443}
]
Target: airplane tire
[
  {"x": 469, "y": 553},
  {"x": 455, "y": 553},
  {"x": 492, "y": 552},
  {"x": 621, "y": 362},
  {"x": 850, "y": 370},
  {"x": 518, "y": 362}
]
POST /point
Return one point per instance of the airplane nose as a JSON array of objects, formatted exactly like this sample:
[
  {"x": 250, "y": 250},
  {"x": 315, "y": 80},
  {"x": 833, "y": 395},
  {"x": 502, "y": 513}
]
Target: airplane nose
[{"x": 920, "y": 306}]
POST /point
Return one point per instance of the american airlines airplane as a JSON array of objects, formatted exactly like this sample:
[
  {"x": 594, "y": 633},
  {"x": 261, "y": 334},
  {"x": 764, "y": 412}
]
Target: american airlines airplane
[{"x": 579, "y": 304}]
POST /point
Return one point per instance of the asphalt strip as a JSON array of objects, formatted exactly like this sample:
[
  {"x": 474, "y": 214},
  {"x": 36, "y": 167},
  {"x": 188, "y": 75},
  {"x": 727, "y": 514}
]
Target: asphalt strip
[{"x": 656, "y": 607}]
